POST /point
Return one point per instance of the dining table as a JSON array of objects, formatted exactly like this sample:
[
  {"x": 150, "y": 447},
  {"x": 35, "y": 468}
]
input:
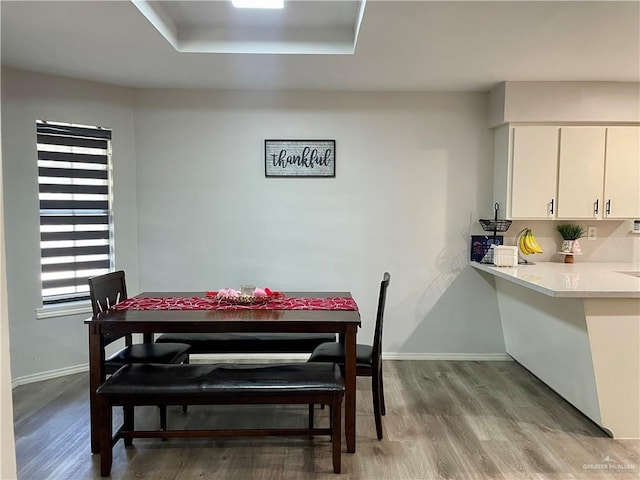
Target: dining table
[{"x": 299, "y": 312}]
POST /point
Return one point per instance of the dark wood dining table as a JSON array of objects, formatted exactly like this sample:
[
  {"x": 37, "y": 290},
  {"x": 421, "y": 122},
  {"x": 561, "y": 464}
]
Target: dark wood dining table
[{"x": 149, "y": 322}]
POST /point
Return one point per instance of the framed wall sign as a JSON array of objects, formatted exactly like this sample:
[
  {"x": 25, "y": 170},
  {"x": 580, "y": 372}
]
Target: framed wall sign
[{"x": 300, "y": 158}]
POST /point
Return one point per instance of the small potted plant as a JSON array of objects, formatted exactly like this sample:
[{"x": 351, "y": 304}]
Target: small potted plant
[{"x": 570, "y": 233}]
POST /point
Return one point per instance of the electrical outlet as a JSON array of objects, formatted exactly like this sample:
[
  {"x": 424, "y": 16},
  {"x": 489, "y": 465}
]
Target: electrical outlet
[{"x": 592, "y": 233}]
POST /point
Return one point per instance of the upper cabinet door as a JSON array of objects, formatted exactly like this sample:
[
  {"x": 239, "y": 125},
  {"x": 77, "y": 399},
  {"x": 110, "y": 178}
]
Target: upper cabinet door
[
  {"x": 581, "y": 172},
  {"x": 534, "y": 172},
  {"x": 622, "y": 173}
]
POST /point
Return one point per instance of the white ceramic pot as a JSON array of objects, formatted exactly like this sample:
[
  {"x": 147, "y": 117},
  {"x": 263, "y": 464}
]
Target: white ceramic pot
[{"x": 575, "y": 248}]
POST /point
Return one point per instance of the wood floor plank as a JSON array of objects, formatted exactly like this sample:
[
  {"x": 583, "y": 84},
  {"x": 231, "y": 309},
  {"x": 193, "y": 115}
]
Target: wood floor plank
[{"x": 445, "y": 421}]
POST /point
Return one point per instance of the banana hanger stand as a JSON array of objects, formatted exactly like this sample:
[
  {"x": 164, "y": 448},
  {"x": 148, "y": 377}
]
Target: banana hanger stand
[{"x": 521, "y": 259}]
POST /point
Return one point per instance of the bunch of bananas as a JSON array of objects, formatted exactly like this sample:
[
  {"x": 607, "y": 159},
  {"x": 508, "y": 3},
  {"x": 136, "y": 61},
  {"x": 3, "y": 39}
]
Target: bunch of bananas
[{"x": 528, "y": 243}]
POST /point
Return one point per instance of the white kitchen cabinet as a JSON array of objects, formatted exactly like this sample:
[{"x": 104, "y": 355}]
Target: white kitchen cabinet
[
  {"x": 567, "y": 172},
  {"x": 581, "y": 172},
  {"x": 599, "y": 173},
  {"x": 525, "y": 171},
  {"x": 622, "y": 173},
  {"x": 534, "y": 172}
]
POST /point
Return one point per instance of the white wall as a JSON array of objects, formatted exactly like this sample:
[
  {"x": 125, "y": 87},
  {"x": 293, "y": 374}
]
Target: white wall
[
  {"x": 411, "y": 171},
  {"x": 196, "y": 212},
  {"x": 56, "y": 343}
]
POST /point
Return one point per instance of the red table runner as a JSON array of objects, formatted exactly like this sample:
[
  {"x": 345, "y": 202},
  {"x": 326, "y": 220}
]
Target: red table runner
[{"x": 199, "y": 303}]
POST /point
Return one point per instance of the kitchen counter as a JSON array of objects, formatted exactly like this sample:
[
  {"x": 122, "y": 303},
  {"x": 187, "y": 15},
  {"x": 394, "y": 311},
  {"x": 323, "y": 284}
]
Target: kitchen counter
[
  {"x": 578, "y": 280},
  {"x": 577, "y": 328}
]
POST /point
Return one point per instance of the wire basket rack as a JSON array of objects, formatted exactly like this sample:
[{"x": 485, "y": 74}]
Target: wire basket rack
[{"x": 494, "y": 226}]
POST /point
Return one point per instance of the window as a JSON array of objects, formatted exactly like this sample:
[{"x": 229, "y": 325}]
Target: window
[{"x": 74, "y": 179}]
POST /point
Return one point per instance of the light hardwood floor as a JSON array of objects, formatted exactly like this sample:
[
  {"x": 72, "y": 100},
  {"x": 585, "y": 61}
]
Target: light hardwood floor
[{"x": 445, "y": 420}]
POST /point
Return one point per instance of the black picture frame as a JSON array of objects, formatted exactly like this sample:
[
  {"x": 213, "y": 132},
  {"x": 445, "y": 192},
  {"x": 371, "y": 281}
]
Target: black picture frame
[
  {"x": 480, "y": 245},
  {"x": 299, "y": 158}
]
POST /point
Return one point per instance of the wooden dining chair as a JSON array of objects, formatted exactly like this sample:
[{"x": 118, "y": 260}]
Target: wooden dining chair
[
  {"x": 368, "y": 359},
  {"x": 106, "y": 291}
]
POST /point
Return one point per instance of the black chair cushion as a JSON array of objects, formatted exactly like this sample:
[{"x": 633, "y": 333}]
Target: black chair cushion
[
  {"x": 334, "y": 352},
  {"x": 249, "y": 342},
  {"x": 147, "y": 353},
  {"x": 223, "y": 379}
]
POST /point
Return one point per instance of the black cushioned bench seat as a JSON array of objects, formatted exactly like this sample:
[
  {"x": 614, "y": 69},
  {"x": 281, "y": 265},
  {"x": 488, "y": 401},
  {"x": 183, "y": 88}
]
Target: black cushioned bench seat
[
  {"x": 168, "y": 352},
  {"x": 207, "y": 384},
  {"x": 249, "y": 342}
]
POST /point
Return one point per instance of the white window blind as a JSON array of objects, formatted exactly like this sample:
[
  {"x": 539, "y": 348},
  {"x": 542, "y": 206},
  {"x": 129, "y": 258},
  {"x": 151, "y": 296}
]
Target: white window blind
[{"x": 75, "y": 208}]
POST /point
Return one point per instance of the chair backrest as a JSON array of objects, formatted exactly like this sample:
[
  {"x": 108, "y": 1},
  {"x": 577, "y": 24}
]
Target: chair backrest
[
  {"x": 377, "y": 336},
  {"x": 107, "y": 290}
]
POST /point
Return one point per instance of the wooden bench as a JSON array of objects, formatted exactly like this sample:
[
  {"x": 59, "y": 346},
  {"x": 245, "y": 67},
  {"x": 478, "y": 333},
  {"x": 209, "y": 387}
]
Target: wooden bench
[{"x": 219, "y": 384}]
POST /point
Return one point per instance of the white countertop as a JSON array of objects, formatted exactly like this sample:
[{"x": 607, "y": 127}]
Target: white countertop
[{"x": 578, "y": 280}]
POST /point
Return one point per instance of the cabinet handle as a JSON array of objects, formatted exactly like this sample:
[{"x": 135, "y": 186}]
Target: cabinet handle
[
  {"x": 595, "y": 206},
  {"x": 608, "y": 208},
  {"x": 551, "y": 207}
]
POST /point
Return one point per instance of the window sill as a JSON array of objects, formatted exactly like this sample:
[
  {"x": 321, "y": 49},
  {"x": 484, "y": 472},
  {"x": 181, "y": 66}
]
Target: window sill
[{"x": 63, "y": 310}]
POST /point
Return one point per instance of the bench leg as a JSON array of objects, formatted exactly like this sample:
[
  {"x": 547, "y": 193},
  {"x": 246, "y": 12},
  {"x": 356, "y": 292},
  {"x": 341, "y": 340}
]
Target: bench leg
[
  {"x": 163, "y": 417},
  {"x": 186, "y": 362},
  {"x": 104, "y": 437},
  {"x": 336, "y": 434},
  {"x": 311, "y": 407}
]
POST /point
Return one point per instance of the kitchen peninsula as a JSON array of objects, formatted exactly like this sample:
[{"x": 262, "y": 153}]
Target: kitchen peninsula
[{"x": 577, "y": 328}]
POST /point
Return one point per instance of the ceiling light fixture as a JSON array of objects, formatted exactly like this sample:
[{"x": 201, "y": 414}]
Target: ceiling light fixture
[{"x": 258, "y": 3}]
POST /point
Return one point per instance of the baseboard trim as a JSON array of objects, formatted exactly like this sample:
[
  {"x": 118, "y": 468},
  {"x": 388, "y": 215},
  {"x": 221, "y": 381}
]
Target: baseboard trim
[
  {"x": 485, "y": 357},
  {"x": 48, "y": 375},
  {"x": 469, "y": 357}
]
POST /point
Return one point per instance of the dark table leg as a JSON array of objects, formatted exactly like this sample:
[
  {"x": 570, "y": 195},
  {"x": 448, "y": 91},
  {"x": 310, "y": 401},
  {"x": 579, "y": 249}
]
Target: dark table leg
[
  {"x": 350, "y": 388},
  {"x": 96, "y": 377}
]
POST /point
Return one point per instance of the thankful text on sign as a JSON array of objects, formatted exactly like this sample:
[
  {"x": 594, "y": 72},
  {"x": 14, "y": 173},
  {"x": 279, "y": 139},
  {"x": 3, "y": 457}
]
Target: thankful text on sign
[{"x": 300, "y": 158}]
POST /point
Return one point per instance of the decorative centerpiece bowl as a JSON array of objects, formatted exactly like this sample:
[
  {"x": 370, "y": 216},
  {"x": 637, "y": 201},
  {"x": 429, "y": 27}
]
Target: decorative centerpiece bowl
[{"x": 258, "y": 296}]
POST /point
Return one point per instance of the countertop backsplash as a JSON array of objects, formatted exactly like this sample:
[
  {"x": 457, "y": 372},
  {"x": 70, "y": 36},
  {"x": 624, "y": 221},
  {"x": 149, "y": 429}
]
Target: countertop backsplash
[{"x": 614, "y": 241}]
